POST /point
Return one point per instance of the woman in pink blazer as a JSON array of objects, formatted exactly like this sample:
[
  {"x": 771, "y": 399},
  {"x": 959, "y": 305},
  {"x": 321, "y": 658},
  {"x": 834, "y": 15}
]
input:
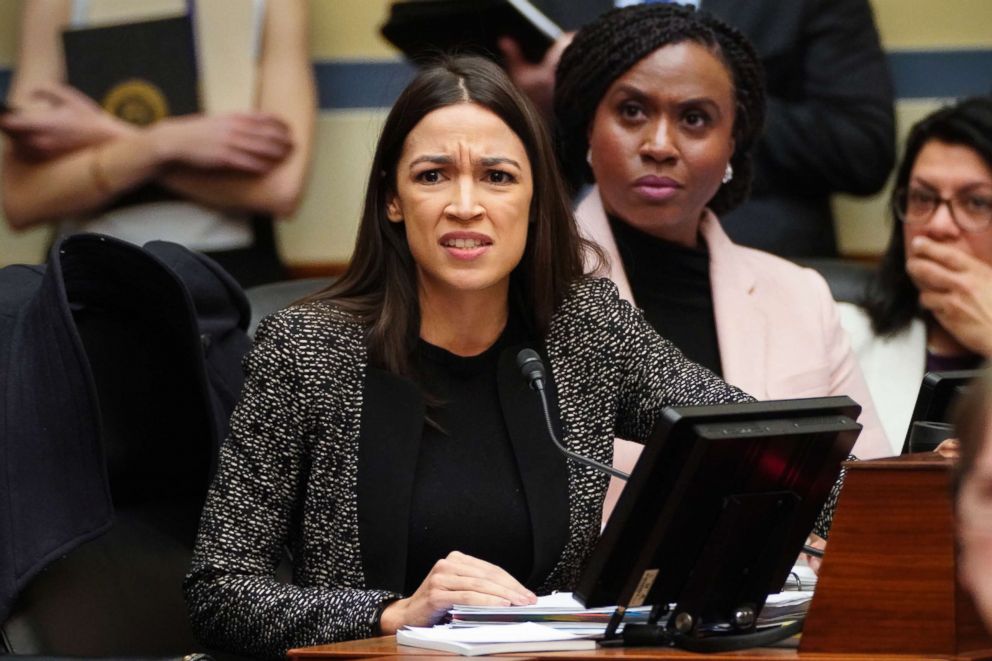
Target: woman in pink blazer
[{"x": 659, "y": 107}]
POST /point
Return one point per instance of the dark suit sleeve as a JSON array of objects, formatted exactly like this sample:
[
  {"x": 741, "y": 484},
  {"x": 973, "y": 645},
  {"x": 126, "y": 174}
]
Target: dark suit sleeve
[
  {"x": 570, "y": 15},
  {"x": 235, "y": 602},
  {"x": 838, "y": 132}
]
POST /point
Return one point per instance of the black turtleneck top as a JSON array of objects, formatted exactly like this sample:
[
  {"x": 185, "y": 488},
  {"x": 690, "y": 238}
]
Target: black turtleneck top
[
  {"x": 467, "y": 493},
  {"x": 671, "y": 283}
]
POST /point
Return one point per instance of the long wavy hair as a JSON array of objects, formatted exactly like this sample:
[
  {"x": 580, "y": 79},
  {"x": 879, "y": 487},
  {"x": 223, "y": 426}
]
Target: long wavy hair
[
  {"x": 379, "y": 286},
  {"x": 892, "y": 300}
]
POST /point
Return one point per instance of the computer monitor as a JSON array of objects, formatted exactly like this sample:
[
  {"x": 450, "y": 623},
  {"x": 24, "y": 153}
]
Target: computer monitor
[
  {"x": 718, "y": 507},
  {"x": 937, "y": 392}
]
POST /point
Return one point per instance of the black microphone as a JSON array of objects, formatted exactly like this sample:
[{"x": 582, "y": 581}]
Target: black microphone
[{"x": 532, "y": 369}]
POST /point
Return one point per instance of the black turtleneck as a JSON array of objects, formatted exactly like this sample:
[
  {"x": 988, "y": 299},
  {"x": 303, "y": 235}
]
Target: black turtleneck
[
  {"x": 467, "y": 493},
  {"x": 671, "y": 283}
]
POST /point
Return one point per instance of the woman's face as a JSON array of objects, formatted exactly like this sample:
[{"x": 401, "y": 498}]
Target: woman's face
[
  {"x": 975, "y": 530},
  {"x": 950, "y": 171},
  {"x": 463, "y": 194},
  {"x": 661, "y": 139}
]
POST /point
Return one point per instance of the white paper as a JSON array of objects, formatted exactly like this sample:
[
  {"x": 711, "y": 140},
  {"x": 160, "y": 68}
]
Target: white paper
[
  {"x": 789, "y": 598},
  {"x": 503, "y": 633},
  {"x": 552, "y": 603}
]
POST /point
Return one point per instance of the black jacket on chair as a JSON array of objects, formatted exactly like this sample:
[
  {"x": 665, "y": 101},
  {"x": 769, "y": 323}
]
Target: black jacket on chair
[{"x": 119, "y": 366}]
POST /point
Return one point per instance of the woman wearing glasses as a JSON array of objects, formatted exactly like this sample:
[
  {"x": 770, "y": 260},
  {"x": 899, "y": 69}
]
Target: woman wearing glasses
[{"x": 930, "y": 305}]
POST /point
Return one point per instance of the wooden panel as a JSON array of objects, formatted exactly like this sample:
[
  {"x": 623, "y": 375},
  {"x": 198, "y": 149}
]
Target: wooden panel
[{"x": 888, "y": 582}]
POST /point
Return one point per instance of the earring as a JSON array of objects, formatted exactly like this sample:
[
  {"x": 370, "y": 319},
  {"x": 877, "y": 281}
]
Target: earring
[
  {"x": 589, "y": 156},
  {"x": 728, "y": 174}
]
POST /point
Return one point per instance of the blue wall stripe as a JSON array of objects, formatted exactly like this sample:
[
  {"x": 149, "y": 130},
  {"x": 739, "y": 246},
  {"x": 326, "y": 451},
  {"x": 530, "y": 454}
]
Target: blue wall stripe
[
  {"x": 917, "y": 74},
  {"x": 343, "y": 85},
  {"x": 922, "y": 74}
]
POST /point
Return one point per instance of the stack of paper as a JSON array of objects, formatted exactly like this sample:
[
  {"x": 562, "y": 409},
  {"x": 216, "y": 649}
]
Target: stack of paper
[
  {"x": 560, "y": 611},
  {"x": 801, "y": 578},
  {"x": 558, "y": 622},
  {"x": 784, "y": 607},
  {"x": 527, "y": 637}
]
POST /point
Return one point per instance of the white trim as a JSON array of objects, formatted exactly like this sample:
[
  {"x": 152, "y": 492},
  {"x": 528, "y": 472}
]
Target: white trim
[{"x": 535, "y": 16}]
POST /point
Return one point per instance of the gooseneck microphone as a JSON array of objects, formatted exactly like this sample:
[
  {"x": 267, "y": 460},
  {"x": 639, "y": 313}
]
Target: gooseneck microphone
[{"x": 532, "y": 369}]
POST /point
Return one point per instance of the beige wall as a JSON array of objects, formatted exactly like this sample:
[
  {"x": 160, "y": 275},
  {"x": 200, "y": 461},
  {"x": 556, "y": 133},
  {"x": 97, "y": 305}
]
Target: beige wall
[
  {"x": 323, "y": 230},
  {"x": 862, "y": 224}
]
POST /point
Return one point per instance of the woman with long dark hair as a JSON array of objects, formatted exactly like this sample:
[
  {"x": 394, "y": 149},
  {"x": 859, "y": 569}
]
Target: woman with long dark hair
[
  {"x": 658, "y": 109},
  {"x": 929, "y": 307},
  {"x": 385, "y": 435}
]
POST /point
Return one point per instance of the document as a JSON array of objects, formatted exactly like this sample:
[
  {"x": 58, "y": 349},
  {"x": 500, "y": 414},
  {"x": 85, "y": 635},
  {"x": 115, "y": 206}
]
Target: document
[
  {"x": 496, "y": 639},
  {"x": 559, "y": 610}
]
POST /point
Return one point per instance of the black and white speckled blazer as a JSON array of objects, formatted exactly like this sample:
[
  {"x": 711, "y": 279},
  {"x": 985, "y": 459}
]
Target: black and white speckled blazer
[{"x": 303, "y": 468}]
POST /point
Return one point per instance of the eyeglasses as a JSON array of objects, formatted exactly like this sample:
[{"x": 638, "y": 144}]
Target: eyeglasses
[{"x": 971, "y": 211}]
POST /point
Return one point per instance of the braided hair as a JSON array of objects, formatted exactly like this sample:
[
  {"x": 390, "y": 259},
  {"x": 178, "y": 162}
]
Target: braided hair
[{"x": 605, "y": 49}]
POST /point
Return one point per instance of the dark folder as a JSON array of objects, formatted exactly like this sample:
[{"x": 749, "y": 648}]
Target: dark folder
[
  {"x": 422, "y": 28},
  {"x": 140, "y": 72}
]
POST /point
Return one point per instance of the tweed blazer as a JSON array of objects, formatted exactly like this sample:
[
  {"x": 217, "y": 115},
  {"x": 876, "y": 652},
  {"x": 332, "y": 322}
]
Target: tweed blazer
[{"x": 293, "y": 471}]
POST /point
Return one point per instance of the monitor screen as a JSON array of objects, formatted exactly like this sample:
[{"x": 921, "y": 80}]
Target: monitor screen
[
  {"x": 937, "y": 392},
  {"x": 719, "y": 505}
]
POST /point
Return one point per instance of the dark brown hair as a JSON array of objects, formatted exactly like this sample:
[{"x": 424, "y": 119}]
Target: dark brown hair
[
  {"x": 606, "y": 48},
  {"x": 380, "y": 285},
  {"x": 892, "y": 299}
]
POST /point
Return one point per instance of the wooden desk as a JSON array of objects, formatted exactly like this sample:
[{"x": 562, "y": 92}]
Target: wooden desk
[
  {"x": 887, "y": 588},
  {"x": 386, "y": 648}
]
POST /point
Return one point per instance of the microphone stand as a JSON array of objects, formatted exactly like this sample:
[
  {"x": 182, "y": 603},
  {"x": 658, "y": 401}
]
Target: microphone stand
[{"x": 532, "y": 368}]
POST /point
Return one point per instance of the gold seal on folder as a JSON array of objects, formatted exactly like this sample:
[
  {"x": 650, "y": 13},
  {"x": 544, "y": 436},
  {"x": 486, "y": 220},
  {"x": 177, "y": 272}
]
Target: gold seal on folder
[{"x": 136, "y": 101}]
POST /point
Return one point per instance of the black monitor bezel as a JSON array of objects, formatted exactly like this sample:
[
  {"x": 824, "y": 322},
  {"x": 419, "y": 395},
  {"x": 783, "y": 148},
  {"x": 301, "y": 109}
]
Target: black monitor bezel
[
  {"x": 938, "y": 391},
  {"x": 672, "y": 458}
]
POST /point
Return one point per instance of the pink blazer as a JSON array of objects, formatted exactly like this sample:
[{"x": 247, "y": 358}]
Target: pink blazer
[{"x": 777, "y": 327}]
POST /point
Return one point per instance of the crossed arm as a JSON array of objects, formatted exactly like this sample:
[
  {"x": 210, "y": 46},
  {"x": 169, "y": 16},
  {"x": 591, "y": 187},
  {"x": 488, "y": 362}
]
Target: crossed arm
[{"x": 64, "y": 155}]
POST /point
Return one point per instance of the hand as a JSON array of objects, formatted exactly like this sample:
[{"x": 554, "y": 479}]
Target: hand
[
  {"x": 251, "y": 142},
  {"x": 814, "y": 562},
  {"x": 537, "y": 81},
  {"x": 957, "y": 290},
  {"x": 456, "y": 579},
  {"x": 949, "y": 448},
  {"x": 58, "y": 119}
]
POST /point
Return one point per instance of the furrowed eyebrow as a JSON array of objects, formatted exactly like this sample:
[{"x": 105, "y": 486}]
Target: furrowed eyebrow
[
  {"x": 438, "y": 159},
  {"x": 489, "y": 161},
  {"x": 442, "y": 159}
]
